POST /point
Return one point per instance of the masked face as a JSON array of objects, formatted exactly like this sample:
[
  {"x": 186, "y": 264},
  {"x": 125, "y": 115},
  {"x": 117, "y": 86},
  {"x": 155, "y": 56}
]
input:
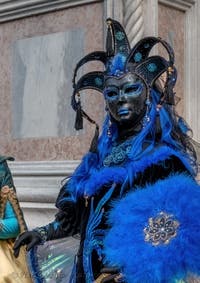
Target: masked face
[{"x": 125, "y": 98}]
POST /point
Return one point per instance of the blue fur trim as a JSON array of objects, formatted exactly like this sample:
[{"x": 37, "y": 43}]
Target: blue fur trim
[
  {"x": 140, "y": 261},
  {"x": 96, "y": 178},
  {"x": 117, "y": 65}
]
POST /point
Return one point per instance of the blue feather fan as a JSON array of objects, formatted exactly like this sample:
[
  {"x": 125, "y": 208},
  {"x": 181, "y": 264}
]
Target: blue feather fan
[{"x": 144, "y": 262}]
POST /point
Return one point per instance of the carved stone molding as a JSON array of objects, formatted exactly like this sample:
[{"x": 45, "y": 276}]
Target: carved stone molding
[
  {"x": 134, "y": 20},
  {"x": 129, "y": 13},
  {"x": 192, "y": 72},
  {"x": 151, "y": 17},
  {"x": 38, "y": 184},
  {"x": 183, "y": 5},
  {"x": 15, "y": 9},
  {"x": 114, "y": 9}
]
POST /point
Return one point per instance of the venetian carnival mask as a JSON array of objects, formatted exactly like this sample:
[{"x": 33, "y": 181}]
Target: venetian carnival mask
[
  {"x": 125, "y": 98},
  {"x": 128, "y": 78}
]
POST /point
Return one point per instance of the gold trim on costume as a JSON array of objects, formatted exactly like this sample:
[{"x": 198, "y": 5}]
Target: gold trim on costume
[
  {"x": 12, "y": 269},
  {"x": 9, "y": 194},
  {"x": 101, "y": 277}
]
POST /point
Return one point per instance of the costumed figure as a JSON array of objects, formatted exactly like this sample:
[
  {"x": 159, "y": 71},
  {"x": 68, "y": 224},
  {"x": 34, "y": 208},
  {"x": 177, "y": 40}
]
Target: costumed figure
[
  {"x": 12, "y": 270},
  {"x": 133, "y": 199}
]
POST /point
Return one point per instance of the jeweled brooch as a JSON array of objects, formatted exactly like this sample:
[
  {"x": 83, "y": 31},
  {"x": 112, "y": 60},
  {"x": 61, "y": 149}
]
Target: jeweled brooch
[{"x": 161, "y": 229}]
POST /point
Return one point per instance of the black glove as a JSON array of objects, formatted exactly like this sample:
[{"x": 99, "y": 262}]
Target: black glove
[
  {"x": 111, "y": 275},
  {"x": 29, "y": 238}
]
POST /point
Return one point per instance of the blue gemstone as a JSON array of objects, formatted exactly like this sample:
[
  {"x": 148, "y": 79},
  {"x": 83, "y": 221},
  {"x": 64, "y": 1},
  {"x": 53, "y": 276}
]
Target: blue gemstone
[
  {"x": 98, "y": 81},
  {"x": 152, "y": 67},
  {"x": 146, "y": 45},
  {"x": 119, "y": 35},
  {"x": 122, "y": 48},
  {"x": 137, "y": 57}
]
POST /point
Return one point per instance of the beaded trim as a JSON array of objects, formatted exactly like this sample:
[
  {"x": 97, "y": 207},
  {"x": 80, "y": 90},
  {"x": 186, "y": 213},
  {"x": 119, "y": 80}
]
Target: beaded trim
[
  {"x": 43, "y": 233},
  {"x": 118, "y": 153}
]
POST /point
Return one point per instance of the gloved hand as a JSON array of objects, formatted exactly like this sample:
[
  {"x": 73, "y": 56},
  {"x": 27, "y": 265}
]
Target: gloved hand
[
  {"x": 29, "y": 238},
  {"x": 110, "y": 275}
]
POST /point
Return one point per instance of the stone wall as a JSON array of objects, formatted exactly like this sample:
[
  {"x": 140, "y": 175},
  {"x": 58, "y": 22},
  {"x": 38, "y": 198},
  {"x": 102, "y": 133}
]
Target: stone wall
[
  {"x": 40, "y": 43},
  {"x": 171, "y": 27},
  {"x": 38, "y": 55}
]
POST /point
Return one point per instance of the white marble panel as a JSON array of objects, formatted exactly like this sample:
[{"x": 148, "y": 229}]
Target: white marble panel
[{"x": 42, "y": 84}]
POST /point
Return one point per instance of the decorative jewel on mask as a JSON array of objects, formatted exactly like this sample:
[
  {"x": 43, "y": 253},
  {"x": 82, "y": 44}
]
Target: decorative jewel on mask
[{"x": 161, "y": 229}]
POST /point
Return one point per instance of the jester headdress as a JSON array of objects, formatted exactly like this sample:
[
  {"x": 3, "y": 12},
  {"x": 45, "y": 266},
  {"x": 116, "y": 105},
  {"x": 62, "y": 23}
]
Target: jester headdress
[
  {"x": 136, "y": 61},
  {"x": 118, "y": 61}
]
